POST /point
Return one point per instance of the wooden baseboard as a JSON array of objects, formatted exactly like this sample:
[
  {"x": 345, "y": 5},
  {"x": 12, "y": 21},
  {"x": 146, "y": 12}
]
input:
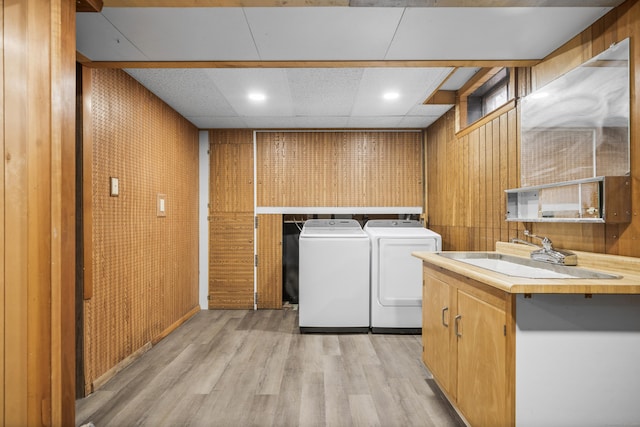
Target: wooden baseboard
[
  {"x": 102, "y": 380},
  {"x": 99, "y": 382},
  {"x": 175, "y": 325}
]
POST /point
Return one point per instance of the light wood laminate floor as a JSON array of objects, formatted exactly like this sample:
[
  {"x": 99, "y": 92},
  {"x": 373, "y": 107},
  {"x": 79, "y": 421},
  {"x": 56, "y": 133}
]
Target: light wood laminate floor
[{"x": 254, "y": 368}]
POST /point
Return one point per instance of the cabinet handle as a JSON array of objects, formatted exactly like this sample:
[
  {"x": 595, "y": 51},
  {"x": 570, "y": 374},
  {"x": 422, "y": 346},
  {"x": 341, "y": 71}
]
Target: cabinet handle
[
  {"x": 457, "y": 325},
  {"x": 446, "y": 325}
]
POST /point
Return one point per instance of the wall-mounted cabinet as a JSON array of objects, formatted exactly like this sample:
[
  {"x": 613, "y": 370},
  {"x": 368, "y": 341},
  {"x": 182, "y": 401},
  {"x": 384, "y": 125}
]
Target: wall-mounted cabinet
[{"x": 603, "y": 199}]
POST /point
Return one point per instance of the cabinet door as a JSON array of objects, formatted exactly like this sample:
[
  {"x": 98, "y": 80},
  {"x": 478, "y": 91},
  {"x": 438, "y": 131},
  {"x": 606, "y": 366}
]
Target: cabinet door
[
  {"x": 482, "y": 388},
  {"x": 436, "y": 326}
]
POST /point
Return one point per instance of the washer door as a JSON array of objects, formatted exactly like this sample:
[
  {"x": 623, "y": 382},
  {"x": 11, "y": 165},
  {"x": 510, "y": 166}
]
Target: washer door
[{"x": 399, "y": 281}]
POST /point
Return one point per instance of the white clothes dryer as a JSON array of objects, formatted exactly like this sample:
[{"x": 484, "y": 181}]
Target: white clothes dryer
[
  {"x": 396, "y": 276},
  {"x": 333, "y": 276}
]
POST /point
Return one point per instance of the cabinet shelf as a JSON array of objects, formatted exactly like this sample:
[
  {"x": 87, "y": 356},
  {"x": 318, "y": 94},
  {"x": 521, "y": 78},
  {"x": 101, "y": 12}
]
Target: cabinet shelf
[{"x": 602, "y": 199}]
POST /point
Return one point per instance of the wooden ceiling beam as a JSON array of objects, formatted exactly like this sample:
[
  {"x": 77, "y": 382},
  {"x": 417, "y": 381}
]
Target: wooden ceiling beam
[
  {"x": 441, "y": 97},
  {"x": 89, "y": 5},
  {"x": 485, "y": 3},
  {"x": 360, "y": 3},
  {"x": 311, "y": 64}
]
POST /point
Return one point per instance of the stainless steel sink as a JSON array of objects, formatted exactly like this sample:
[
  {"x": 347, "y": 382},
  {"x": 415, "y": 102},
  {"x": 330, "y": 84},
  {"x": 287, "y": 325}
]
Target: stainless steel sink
[{"x": 524, "y": 267}]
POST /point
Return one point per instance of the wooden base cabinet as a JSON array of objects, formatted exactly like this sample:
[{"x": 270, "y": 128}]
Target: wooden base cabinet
[{"x": 468, "y": 345}]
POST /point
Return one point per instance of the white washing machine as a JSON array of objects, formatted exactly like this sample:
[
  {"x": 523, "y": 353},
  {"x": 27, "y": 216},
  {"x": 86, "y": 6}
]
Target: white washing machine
[
  {"x": 333, "y": 276},
  {"x": 396, "y": 276}
]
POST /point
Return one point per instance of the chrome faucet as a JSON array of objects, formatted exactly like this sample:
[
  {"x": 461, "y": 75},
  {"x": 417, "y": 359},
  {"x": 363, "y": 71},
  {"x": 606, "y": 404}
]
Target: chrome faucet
[{"x": 547, "y": 253}]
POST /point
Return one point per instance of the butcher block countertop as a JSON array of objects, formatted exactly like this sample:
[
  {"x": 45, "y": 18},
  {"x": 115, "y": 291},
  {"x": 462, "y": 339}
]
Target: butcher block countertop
[{"x": 627, "y": 267}]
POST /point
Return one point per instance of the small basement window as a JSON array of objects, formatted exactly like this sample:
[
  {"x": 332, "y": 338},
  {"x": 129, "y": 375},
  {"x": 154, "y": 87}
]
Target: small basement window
[
  {"x": 488, "y": 97},
  {"x": 487, "y": 91}
]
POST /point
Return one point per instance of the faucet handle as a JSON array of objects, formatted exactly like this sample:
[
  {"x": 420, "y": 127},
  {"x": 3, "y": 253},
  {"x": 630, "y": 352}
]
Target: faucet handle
[{"x": 546, "y": 242}]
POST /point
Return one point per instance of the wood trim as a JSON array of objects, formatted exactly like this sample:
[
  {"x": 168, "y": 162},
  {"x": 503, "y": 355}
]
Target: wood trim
[
  {"x": 510, "y": 105},
  {"x": 313, "y": 64},
  {"x": 3, "y": 252},
  {"x": 361, "y": 3},
  {"x": 63, "y": 200},
  {"x": 104, "y": 378},
  {"x": 224, "y": 3},
  {"x": 442, "y": 97},
  {"x": 175, "y": 325},
  {"x": 88, "y": 5},
  {"x": 87, "y": 180}
]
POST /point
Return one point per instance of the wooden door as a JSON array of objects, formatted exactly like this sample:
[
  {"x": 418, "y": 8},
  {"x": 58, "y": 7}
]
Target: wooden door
[
  {"x": 436, "y": 330},
  {"x": 482, "y": 382},
  {"x": 269, "y": 244},
  {"x": 231, "y": 220}
]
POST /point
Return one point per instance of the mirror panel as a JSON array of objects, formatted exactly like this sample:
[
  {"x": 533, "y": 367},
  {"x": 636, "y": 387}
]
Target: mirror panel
[{"x": 577, "y": 126}]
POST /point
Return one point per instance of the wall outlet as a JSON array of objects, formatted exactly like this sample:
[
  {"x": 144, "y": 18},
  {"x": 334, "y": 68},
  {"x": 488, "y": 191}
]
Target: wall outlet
[{"x": 114, "y": 187}]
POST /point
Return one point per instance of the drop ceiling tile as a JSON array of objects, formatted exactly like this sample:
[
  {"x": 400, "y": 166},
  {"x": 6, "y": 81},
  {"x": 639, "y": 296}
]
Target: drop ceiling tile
[
  {"x": 412, "y": 84},
  {"x": 487, "y": 32},
  {"x": 236, "y": 84},
  {"x": 188, "y": 91},
  {"x": 98, "y": 39},
  {"x": 323, "y": 91},
  {"x": 184, "y": 34},
  {"x": 459, "y": 78},
  {"x": 417, "y": 122},
  {"x": 323, "y": 33}
]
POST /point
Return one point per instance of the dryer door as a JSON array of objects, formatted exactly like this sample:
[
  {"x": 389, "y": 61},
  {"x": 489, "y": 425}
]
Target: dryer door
[{"x": 400, "y": 274}]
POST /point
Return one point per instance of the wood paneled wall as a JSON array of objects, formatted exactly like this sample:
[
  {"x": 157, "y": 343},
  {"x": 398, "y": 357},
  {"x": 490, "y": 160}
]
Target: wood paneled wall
[
  {"x": 37, "y": 172},
  {"x": 466, "y": 178},
  {"x": 467, "y": 174},
  {"x": 144, "y": 267},
  {"x": 339, "y": 168}
]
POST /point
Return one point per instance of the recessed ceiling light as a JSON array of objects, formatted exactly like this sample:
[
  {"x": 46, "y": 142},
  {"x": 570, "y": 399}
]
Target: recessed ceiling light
[
  {"x": 389, "y": 96},
  {"x": 256, "y": 96}
]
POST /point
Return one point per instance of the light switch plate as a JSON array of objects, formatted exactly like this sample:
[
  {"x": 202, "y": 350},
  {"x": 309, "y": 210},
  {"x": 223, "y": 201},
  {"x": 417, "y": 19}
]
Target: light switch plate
[
  {"x": 162, "y": 205},
  {"x": 114, "y": 187}
]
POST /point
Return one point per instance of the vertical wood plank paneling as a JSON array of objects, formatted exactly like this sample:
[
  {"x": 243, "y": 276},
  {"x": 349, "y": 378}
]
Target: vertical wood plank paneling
[
  {"x": 503, "y": 182},
  {"x": 474, "y": 189},
  {"x": 3, "y": 254},
  {"x": 16, "y": 186},
  {"x": 37, "y": 267},
  {"x": 269, "y": 280},
  {"x": 496, "y": 219},
  {"x": 482, "y": 200}
]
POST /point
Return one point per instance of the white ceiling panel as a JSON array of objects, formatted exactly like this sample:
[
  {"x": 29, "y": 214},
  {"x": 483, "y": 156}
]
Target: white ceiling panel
[
  {"x": 323, "y": 33},
  {"x": 188, "y": 34},
  {"x": 323, "y": 91},
  {"x": 488, "y": 33},
  {"x": 97, "y": 39},
  {"x": 459, "y": 78},
  {"x": 190, "y": 91},
  {"x": 374, "y": 122},
  {"x": 417, "y": 121},
  {"x": 237, "y": 84},
  {"x": 412, "y": 85}
]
